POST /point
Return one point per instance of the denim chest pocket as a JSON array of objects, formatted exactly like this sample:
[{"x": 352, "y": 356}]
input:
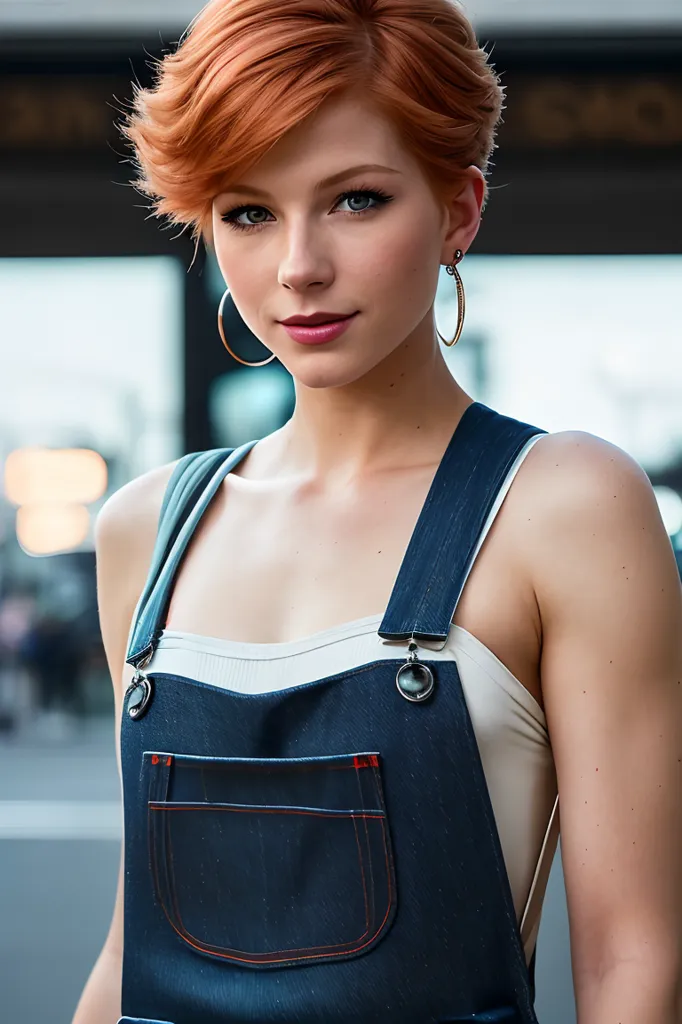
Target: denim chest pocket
[{"x": 272, "y": 862}]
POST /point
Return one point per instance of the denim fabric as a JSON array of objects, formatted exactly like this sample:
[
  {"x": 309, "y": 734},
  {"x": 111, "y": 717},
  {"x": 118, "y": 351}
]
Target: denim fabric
[
  {"x": 463, "y": 491},
  {"x": 327, "y": 852}
]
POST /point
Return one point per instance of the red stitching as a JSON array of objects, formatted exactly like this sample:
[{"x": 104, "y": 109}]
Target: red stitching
[
  {"x": 267, "y": 958},
  {"x": 364, "y": 761},
  {"x": 199, "y": 764},
  {"x": 164, "y": 805}
]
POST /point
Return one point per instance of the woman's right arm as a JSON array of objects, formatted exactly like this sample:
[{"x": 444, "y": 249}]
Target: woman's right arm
[{"x": 125, "y": 532}]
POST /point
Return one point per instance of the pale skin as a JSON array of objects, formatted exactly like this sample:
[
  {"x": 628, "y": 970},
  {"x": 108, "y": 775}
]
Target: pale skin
[{"x": 575, "y": 588}]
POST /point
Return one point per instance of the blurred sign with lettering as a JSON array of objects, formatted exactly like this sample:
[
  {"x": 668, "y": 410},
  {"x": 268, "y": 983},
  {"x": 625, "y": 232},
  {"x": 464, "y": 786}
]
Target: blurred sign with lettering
[
  {"x": 60, "y": 113},
  {"x": 77, "y": 114},
  {"x": 563, "y": 111}
]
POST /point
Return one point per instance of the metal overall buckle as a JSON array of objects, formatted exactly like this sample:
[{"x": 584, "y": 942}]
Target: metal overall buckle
[
  {"x": 139, "y": 693},
  {"x": 414, "y": 680}
]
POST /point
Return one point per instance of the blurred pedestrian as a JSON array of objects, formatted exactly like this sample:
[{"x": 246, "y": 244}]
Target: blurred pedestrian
[
  {"x": 52, "y": 649},
  {"x": 16, "y": 612}
]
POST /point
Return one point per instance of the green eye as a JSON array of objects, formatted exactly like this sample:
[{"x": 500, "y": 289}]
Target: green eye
[
  {"x": 377, "y": 196},
  {"x": 232, "y": 217}
]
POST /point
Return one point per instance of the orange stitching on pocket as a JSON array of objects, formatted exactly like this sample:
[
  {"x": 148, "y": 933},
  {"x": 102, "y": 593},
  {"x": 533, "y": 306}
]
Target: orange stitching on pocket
[
  {"x": 298, "y": 950},
  {"x": 321, "y": 952},
  {"x": 265, "y": 959},
  {"x": 364, "y": 882},
  {"x": 164, "y": 805},
  {"x": 298, "y": 767}
]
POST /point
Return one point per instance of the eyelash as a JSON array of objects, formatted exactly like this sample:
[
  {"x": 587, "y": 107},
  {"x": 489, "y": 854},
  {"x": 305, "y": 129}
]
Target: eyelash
[{"x": 378, "y": 194}]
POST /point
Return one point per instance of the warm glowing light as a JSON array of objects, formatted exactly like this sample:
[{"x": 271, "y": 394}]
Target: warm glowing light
[
  {"x": 54, "y": 475},
  {"x": 45, "y": 528}
]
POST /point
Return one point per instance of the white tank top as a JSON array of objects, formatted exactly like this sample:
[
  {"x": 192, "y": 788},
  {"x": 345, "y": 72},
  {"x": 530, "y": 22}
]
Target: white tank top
[{"x": 509, "y": 724}]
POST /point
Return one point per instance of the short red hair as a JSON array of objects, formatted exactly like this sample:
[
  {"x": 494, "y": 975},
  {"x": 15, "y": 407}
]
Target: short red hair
[{"x": 247, "y": 71}]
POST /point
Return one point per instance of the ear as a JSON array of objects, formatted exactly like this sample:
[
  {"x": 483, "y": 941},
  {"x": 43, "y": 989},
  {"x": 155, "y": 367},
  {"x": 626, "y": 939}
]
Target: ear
[{"x": 463, "y": 210}]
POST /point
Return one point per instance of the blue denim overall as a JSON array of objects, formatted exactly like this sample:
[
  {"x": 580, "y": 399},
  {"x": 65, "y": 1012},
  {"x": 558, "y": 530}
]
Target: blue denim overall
[{"x": 328, "y": 852}]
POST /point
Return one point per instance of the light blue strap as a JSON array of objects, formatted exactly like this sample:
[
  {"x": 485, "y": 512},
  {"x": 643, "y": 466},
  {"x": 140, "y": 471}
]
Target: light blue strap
[
  {"x": 193, "y": 482},
  {"x": 141, "y": 1020}
]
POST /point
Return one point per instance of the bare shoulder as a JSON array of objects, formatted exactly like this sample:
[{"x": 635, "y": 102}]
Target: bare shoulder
[
  {"x": 577, "y": 490},
  {"x": 134, "y": 508},
  {"x": 592, "y": 526},
  {"x": 571, "y": 468}
]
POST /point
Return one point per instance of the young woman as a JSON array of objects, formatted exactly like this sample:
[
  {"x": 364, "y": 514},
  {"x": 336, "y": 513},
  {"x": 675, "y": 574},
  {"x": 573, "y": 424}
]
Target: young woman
[{"x": 355, "y": 661}]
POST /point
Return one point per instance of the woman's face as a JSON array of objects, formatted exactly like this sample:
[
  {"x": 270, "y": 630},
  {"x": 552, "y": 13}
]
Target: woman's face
[{"x": 338, "y": 218}]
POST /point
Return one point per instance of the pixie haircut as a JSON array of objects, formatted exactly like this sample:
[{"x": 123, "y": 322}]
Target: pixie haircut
[{"x": 247, "y": 71}]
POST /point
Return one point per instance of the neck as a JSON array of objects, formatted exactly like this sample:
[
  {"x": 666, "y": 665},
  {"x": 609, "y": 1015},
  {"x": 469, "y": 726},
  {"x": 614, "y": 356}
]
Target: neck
[{"x": 402, "y": 413}]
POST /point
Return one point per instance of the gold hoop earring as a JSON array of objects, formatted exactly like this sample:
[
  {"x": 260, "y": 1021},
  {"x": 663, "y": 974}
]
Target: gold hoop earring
[
  {"x": 451, "y": 269},
  {"x": 222, "y": 335}
]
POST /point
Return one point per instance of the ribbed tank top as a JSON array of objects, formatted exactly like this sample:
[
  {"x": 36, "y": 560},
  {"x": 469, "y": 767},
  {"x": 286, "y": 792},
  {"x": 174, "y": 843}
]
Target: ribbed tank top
[{"x": 509, "y": 724}]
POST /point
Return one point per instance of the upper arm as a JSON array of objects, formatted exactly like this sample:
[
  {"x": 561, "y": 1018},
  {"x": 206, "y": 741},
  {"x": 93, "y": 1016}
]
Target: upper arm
[
  {"x": 125, "y": 532},
  {"x": 610, "y": 602}
]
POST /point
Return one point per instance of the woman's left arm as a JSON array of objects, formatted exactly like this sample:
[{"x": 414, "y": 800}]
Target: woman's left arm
[{"x": 610, "y": 603}]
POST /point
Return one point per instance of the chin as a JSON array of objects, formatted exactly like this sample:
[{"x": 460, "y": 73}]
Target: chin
[{"x": 331, "y": 375}]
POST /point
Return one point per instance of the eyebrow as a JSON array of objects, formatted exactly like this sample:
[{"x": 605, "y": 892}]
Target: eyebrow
[{"x": 325, "y": 183}]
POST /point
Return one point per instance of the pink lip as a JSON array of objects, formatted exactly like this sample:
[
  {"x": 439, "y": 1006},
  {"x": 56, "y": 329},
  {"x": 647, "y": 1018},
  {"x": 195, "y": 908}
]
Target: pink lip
[{"x": 320, "y": 333}]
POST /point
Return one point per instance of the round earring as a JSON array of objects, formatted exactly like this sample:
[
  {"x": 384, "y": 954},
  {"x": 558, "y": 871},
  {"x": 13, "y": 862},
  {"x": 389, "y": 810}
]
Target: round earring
[
  {"x": 452, "y": 270},
  {"x": 222, "y": 335}
]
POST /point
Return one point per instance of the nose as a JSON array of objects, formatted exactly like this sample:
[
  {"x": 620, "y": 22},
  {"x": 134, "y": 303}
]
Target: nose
[{"x": 304, "y": 265}]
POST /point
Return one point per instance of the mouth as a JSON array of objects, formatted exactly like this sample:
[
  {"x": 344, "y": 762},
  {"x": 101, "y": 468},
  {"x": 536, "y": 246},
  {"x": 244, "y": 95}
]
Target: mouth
[
  {"x": 308, "y": 332},
  {"x": 316, "y": 319}
]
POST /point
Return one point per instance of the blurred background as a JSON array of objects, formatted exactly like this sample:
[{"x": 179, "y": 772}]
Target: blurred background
[{"x": 111, "y": 363}]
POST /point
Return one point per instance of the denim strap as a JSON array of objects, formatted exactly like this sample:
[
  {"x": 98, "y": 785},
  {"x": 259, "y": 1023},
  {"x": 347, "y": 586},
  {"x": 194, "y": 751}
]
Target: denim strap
[
  {"x": 193, "y": 482},
  {"x": 434, "y": 569}
]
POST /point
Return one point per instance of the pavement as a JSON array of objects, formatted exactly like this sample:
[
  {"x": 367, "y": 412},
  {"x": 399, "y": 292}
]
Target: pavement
[{"x": 59, "y": 853}]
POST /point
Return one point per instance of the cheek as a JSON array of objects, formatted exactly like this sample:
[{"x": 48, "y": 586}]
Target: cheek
[{"x": 399, "y": 271}]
